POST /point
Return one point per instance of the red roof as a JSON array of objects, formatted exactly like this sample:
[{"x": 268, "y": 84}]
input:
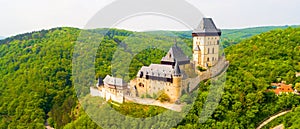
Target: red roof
[{"x": 284, "y": 88}]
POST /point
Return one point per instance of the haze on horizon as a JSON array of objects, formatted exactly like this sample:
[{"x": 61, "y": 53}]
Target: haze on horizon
[{"x": 19, "y": 16}]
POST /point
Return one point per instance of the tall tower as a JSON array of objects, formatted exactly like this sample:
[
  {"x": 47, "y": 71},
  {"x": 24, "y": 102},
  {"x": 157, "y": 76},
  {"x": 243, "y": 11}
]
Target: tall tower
[
  {"x": 206, "y": 40},
  {"x": 177, "y": 83}
]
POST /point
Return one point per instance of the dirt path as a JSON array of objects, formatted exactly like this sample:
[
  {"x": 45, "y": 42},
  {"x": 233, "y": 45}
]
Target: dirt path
[
  {"x": 146, "y": 101},
  {"x": 272, "y": 118},
  {"x": 47, "y": 126}
]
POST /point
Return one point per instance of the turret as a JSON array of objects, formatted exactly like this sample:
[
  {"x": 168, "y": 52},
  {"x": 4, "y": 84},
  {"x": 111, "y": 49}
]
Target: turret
[
  {"x": 177, "y": 83},
  {"x": 177, "y": 70}
]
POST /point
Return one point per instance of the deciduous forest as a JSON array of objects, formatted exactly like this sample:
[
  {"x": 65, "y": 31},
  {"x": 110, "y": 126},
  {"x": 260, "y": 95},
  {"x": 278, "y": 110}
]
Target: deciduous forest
[{"x": 36, "y": 84}]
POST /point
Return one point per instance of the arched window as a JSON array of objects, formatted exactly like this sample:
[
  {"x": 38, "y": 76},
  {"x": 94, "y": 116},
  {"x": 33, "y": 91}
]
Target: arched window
[
  {"x": 141, "y": 84},
  {"x": 213, "y": 50},
  {"x": 208, "y": 59},
  {"x": 208, "y": 50},
  {"x": 142, "y": 74}
]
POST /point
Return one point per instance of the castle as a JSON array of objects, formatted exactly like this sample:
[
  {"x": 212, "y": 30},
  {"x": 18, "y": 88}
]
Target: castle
[{"x": 168, "y": 76}]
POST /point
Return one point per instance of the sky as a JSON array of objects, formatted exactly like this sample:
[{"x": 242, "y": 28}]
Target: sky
[{"x": 20, "y": 16}]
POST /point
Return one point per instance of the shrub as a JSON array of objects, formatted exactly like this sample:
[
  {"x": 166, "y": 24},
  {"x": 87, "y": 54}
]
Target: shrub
[
  {"x": 163, "y": 97},
  {"x": 201, "y": 68}
]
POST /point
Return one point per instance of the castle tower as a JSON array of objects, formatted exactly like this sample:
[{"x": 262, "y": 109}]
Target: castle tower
[
  {"x": 177, "y": 82},
  {"x": 206, "y": 40}
]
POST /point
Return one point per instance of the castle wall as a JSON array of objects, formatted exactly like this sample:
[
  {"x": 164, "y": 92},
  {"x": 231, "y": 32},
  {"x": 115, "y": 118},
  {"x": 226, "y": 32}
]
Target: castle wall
[
  {"x": 154, "y": 87},
  {"x": 150, "y": 87},
  {"x": 108, "y": 93},
  {"x": 114, "y": 97}
]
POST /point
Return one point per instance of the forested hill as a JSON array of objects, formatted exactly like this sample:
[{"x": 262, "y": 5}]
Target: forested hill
[
  {"x": 254, "y": 64},
  {"x": 269, "y": 57},
  {"x": 36, "y": 78},
  {"x": 229, "y": 36},
  {"x": 234, "y": 36},
  {"x": 35, "y": 72}
]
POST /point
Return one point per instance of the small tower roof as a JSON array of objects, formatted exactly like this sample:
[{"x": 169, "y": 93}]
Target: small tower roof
[
  {"x": 207, "y": 27},
  {"x": 175, "y": 53},
  {"x": 177, "y": 70},
  {"x": 114, "y": 81}
]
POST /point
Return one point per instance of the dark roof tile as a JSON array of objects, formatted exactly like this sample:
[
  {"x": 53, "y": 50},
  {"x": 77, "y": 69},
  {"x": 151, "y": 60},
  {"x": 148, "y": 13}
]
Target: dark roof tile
[{"x": 207, "y": 26}]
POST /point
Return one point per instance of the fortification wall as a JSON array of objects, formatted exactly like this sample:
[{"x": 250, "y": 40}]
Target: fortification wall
[
  {"x": 191, "y": 84},
  {"x": 106, "y": 95}
]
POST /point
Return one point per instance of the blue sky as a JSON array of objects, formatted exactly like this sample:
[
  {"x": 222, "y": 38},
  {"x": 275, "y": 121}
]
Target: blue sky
[{"x": 19, "y": 16}]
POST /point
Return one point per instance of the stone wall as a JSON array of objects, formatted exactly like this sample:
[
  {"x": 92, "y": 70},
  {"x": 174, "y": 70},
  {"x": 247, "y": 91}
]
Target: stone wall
[
  {"x": 192, "y": 83},
  {"x": 107, "y": 95}
]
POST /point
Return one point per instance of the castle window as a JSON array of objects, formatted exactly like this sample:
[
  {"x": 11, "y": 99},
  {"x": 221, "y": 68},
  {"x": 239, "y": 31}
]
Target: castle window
[
  {"x": 208, "y": 59},
  {"x": 208, "y": 50},
  {"x": 141, "y": 75},
  {"x": 141, "y": 85},
  {"x": 213, "y": 50},
  {"x": 213, "y": 59}
]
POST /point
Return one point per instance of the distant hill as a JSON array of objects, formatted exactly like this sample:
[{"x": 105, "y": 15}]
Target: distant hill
[
  {"x": 229, "y": 36},
  {"x": 2, "y": 37},
  {"x": 234, "y": 36}
]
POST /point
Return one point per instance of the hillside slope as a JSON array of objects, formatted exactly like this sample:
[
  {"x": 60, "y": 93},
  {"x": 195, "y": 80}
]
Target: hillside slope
[
  {"x": 254, "y": 63},
  {"x": 36, "y": 78},
  {"x": 290, "y": 120},
  {"x": 36, "y": 72}
]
